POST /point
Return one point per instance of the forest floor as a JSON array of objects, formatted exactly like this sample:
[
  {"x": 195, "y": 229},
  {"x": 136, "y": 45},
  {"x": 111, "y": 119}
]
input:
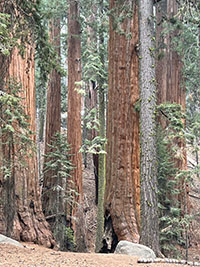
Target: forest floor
[
  {"x": 37, "y": 256},
  {"x": 33, "y": 255}
]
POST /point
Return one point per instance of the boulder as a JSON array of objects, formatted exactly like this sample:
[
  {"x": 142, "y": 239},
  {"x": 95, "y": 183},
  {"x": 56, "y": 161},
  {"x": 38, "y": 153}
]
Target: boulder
[
  {"x": 133, "y": 249},
  {"x": 6, "y": 240}
]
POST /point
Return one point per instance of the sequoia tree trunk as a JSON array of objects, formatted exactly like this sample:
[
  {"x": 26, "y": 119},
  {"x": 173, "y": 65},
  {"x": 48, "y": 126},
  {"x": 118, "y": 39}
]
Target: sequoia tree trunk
[
  {"x": 170, "y": 84},
  {"x": 53, "y": 120},
  {"x": 122, "y": 192},
  {"x": 53, "y": 126},
  {"x": 74, "y": 98},
  {"x": 21, "y": 214},
  {"x": 74, "y": 120}
]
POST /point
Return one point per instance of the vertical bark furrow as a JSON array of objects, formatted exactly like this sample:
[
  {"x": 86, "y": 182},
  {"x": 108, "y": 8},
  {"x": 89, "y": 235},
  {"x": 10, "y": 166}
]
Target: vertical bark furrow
[
  {"x": 53, "y": 124},
  {"x": 74, "y": 98},
  {"x": 170, "y": 82},
  {"x": 122, "y": 165},
  {"x": 149, "y": 207}
]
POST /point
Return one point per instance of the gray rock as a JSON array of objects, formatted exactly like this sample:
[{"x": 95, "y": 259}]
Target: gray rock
[
  {"x": 133, "y": 249},
  {"x": 6, "y": 240}
]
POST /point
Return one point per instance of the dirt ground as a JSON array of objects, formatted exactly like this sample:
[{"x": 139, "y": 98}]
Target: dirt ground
[
  {"x": 36, "y": 256},
  {"x": 33, "y": 255}
]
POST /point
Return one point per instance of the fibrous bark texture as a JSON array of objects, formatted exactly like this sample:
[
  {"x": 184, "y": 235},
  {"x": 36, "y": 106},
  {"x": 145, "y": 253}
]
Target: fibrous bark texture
[
  {"x": 21, "y": 214},
  {"x": 53, "y": 123},
  {"x": 149, "y": 203},
  {"x": 169, "y": 67},
  {"x": 53, "y": 184},
  {"x": 74, "y": 98},
  {"x": 74, "y": 119},
  {"x": 170, "y": 82},
  {"x": 122, "y": 192}
]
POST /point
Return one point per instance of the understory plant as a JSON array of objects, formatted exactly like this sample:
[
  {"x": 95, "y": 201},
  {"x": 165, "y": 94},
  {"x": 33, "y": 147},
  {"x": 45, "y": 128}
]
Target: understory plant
[
  {"x": 172, "y": 181},
  {"x": 15, "y": 134},
  {"x": 59, "y": 166}
]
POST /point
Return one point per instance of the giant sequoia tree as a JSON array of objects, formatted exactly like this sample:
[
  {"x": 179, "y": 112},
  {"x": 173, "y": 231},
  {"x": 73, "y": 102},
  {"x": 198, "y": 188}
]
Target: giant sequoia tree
[
  {"x": 21, "y": 214},
  {"x": 122, "y": 192},
  {"x": 169, "y": 67},
  {"x": 171, "y": 100}
]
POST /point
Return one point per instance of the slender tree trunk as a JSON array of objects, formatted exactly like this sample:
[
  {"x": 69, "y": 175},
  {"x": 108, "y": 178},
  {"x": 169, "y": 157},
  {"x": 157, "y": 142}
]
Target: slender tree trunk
[
  {"x": 101, "y": 163},
  {"x": 122, "y": 192},
  {"x": 149, "y": 202},
  {"x": 93, "y": 91},
  {"x": 53, "y": 120},
  {"x": 74, "y": 98},
  {"x": 53, "y": 124},
  {"x": 74, "y": 119}
]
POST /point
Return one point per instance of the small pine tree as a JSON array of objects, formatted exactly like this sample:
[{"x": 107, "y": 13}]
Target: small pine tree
[
  {"x": 173, "y": 220},
  {"x": 59, "y": 163}
]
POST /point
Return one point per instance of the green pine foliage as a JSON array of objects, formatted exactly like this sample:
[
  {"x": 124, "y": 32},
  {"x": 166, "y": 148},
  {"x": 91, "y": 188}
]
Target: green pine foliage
[
  {"x": 58, "y": 161},
  {"x": 7, "y": 42},
  {"x": 174, "y": 221},
  {"x": 94, "y": 21},
  {"x": 186, "y": 40},
  {"x": 95, "y": 145},
  {"x": 15, "y": 129},
  {"x": 169, "y": 210},
  {"x": 59, "y": 165},
  {"x": 186, "y": 43}
]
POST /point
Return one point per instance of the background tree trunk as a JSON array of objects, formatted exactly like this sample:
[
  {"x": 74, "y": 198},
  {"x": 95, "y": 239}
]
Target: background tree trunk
[
  {"x": 74, "y": 119},
  {"x": 170, "y": 83},
  {"x": 74, "y": 98},
  {"x": 53, "y": 119},
  {"x": 149, "y": 201},
  {"x": 53, "y": 126},
  {"x": 102, "y": 133},
  {"x": 122, "y": 192},
  {"x": 92, "y": 90}
]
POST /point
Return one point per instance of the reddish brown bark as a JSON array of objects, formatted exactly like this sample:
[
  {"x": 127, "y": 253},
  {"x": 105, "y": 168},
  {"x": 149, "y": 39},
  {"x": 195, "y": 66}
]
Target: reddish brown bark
[
  {"x": 122, "y": 193},
  {"x": 74, "y": 98},
  {"x": 170, "y": 81},
  {"x": 21, "y": 214},
  {"x": 169, "y": 68},
  {"x": 53, "y": 122}
]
